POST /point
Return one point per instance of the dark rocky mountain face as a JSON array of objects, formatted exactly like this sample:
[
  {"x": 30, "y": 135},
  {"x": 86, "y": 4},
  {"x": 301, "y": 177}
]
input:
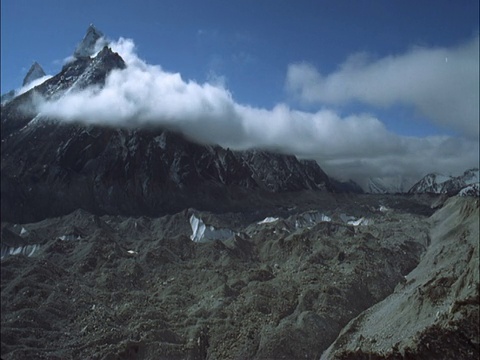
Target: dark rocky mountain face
[
  {"x": 346, "y": 186},
  {"x": 50, "y": 168}
]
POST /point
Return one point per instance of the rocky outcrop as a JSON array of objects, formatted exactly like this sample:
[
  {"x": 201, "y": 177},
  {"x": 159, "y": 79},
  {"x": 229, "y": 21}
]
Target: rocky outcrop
[{"x": 434, "y": 313}]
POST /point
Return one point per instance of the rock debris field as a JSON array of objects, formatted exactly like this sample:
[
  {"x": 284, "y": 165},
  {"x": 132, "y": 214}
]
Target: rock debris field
[{"x": 338, "y": 277}]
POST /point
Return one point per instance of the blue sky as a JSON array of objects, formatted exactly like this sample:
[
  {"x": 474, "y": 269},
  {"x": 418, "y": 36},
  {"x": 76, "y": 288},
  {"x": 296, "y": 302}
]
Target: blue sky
[
  {"x": 264, "y": 52},
  {"x": 251, "y": 43}
]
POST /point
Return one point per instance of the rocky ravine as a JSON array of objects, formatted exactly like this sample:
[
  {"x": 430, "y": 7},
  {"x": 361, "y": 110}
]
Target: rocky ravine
[{"x": 114, "y": 287}]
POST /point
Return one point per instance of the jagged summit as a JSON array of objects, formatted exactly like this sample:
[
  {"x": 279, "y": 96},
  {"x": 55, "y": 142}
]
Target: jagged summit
[
  {"x": 35, "y": 72},
  {"x": 446, "y": 184},
  {"x": 78, "y": 74},
  {"x": 87, "y": 45}
]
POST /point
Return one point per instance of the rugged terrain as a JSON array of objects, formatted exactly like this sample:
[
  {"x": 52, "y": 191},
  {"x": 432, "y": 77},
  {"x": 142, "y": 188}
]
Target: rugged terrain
[
  {"x": 120, "y": 287},
  {"x": 141, "y": 244},
  {"x": 435, "y": 312}
]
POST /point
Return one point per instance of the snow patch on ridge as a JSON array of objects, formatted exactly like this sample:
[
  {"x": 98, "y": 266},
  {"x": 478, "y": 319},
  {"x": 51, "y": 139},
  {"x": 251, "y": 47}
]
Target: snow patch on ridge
[
  {"x": 27, "y": 250},
  {"x": 359, "y": 222},
  {"x": 268, "y": 220},
  {"x": 311, "y": 218},
  {"x": 203, "y": 233},
  {"x": 470, "y": 190}
]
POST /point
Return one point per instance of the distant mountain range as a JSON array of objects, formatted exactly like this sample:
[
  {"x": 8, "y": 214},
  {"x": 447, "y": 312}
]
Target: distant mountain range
[
  {"x": 434, "y": 183},
  {"x": 464, "y": 184}
]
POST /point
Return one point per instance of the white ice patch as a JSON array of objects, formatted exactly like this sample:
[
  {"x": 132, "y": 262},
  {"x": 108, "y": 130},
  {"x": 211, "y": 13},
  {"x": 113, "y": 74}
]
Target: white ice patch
[
  {"x": 310, "y": 218},
  {"x": 23, "y": 232},
  {"x": 359, "y": 222},
  {"x": 27, "y": 250},
  {"x": 204, "y": 233},
  {"x": 268, "y": 220},
  {"x": 70, "y": 237}
]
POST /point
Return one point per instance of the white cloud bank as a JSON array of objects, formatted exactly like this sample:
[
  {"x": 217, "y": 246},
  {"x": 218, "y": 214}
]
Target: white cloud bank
[
  {"x": 356, "y": 146},
  {"x": 441, "y": 83}
]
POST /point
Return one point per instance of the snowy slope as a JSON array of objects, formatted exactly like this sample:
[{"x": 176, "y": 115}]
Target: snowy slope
[{"x": 444, "y": 184}]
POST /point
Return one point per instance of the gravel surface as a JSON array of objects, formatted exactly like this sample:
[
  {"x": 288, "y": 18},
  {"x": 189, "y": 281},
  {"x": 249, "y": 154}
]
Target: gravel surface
[{"x": 114, "y": 287}]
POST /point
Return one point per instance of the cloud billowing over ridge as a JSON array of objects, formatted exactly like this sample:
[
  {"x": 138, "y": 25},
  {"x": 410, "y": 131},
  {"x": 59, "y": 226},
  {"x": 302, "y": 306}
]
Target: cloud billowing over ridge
[{"x": 355, "y": 146}]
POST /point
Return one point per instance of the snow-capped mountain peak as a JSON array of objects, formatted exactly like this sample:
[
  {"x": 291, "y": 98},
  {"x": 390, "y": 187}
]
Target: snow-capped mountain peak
[
  {"x": 88, "y": 45},
  {"x": 35, "y": 72},
  {"x": 445, "y": 184}
]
